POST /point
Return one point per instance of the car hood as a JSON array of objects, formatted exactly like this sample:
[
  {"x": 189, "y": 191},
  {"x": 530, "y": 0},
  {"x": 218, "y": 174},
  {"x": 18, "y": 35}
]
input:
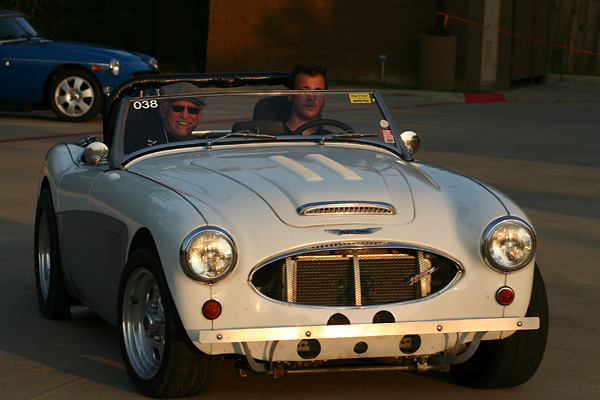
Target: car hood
[
  {"x": 74, "y": 52},
  {"x": 288, "y": 179}
]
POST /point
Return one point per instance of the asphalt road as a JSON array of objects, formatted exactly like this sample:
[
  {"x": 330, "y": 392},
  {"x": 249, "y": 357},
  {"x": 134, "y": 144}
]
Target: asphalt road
[{"x": 543, "y": 153}]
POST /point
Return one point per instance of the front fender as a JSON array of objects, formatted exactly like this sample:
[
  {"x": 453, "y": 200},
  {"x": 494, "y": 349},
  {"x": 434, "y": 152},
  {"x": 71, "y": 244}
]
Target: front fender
[{"x": 139, "y": 203}]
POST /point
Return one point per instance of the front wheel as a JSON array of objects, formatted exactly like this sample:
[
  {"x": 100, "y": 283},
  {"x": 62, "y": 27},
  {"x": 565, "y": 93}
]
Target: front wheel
[
  {"x": 53, "y": 299},
  {"x": 511, "y": 361},
  {"x": 159, "y": 357},
  {"x": 75, "y": 96}
]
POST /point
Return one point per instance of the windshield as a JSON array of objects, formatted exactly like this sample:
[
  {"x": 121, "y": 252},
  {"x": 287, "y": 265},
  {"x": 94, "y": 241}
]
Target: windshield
[
  {"x": 212, "y": 119},
  {"x": 15, "y": 28}
]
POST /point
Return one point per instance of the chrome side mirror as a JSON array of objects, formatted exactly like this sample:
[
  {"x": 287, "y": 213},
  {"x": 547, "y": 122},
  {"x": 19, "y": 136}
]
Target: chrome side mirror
[
  {"x": 411, "y": 141},
  {"x": 95, "y": 153}
]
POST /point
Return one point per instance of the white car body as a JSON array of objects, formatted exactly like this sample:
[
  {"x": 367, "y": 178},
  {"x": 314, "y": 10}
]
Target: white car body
[{"x": 255, "y": 192}]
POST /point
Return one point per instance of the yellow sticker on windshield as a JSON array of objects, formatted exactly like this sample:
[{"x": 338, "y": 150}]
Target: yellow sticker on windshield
[{"x": 360, "y": 98}]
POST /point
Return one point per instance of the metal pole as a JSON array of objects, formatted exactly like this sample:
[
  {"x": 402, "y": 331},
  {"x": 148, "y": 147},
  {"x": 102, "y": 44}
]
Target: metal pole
[{"x": 382, "y": 58}]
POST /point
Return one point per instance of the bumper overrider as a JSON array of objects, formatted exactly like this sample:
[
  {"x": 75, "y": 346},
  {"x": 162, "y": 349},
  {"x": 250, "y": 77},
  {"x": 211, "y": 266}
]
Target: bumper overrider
[{"x": 456, "y": 333}]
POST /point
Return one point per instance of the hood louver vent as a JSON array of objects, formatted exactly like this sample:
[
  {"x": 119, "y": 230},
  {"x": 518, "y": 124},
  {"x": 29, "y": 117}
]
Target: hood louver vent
[{"x": 350, "y": 208}]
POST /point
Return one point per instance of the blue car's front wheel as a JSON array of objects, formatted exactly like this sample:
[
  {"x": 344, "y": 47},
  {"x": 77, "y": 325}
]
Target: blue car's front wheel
[{"x": 75, "y": 96}]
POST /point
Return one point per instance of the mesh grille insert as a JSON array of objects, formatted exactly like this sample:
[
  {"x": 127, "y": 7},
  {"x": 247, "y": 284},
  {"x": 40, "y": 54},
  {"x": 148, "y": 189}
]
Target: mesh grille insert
[{"x": 351, "y": 277}]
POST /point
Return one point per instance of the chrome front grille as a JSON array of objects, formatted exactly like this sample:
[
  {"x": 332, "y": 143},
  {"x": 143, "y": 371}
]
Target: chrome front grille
[{"x": 355, "y": 277}]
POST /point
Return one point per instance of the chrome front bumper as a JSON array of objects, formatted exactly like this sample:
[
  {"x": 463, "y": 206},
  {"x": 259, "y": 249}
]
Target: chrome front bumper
[
  {"x": 471, "y": 329},
  {"x": 242, "y": 335}
]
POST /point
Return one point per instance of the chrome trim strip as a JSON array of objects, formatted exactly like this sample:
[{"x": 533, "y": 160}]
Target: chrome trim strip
[
  {"x": 368, "y": 330},
  {"x": 357, "y": 284},
  {"x": 290, "y": 279},
  {"x": 55, "y": 62}
]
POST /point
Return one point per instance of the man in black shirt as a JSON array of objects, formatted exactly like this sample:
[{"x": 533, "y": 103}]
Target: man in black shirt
[{"x": 306, "y": 108}]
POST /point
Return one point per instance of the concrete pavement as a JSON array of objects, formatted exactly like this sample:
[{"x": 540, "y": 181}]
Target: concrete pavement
[{"x": 559, "y": 88}]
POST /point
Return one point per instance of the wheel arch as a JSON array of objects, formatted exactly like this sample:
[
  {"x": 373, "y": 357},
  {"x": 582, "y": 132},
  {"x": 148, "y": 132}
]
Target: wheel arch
[
  {"x": 142, "y": 239},
  {"x": 44, "y": 184}
]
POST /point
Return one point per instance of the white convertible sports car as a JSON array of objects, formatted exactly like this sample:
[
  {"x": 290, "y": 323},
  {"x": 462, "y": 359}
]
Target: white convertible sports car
[{"x": 294, "y": 253}]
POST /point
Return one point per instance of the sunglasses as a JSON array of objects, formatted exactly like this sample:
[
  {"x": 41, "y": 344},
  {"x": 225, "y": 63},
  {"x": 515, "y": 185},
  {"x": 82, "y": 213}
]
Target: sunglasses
[{"x": 190, "y": 110}]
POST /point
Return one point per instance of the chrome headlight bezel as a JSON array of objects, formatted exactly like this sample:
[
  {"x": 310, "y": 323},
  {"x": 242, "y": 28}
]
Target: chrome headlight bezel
[
  {"x": 505, "y": 254},
  {"x": 154, "y": 62},
  {"x": 205, "y": 264},
  {"x": 114, "y": 67}
]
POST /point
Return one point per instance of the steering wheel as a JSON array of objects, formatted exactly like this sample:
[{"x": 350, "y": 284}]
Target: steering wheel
[{"x": 321, "y": 122}]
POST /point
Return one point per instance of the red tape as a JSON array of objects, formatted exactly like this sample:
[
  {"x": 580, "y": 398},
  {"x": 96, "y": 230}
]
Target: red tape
[{"x": 446, "y": 16}]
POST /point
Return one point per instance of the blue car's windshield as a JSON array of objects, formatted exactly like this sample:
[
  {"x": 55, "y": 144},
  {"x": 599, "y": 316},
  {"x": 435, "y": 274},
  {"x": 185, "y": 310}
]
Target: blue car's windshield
[{"x": 15, "y": 28}]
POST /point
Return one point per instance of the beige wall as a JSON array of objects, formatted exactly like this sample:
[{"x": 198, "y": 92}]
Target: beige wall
[{"x": 347, "y": 36}]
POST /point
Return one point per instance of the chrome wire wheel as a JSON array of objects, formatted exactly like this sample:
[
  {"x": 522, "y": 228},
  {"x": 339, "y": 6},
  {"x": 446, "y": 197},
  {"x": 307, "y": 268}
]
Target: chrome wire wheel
[
  {"x": 43, "y": 254},
  {"x": 74, "y": 96},
  {"x": 143, "y": 323}
]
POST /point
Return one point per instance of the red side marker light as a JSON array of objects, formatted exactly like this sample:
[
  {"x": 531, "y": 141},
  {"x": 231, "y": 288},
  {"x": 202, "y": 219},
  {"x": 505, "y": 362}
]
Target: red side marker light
[
  {"x": 505, "y": 296},
  {"x": 97, "y": 68},
  {"x": 211, "y": 309}
]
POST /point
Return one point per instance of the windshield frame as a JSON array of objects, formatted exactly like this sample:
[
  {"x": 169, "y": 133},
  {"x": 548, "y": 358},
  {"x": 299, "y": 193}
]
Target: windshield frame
[{"x": 119, "y": 158}]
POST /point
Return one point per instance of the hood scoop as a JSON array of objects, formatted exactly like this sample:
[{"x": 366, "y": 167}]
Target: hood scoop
[
  {"x": 353, "y": 208},
  {"x": 311, "y": 186}
]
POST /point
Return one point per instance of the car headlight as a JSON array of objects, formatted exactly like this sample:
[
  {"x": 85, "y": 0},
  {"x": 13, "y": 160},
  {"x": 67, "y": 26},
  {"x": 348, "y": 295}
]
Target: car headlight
[
  {"x": 208, "y": 254},
  {"x": 115, "y": 67},
  {"x": 508, "y": 244},
  {"x": 153, "y": 62}
]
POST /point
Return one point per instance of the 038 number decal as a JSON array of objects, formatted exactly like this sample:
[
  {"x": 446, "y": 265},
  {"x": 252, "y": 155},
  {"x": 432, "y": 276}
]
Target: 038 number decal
[{"x": 145, "y": 104}]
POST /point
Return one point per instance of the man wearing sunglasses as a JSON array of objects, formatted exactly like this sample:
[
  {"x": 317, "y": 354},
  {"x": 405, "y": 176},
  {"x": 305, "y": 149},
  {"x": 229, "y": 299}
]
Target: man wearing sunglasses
[
  {"x": 180, "y": 116},
  {"x": 173, "y": 121}
]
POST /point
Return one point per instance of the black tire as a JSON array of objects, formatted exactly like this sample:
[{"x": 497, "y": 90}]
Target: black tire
[
  {"x": 512, "y": 361},
  {"x": 75, "y": 96},
  {"x": 53, "y": 299},
  {"x": 159, "y": 357}
]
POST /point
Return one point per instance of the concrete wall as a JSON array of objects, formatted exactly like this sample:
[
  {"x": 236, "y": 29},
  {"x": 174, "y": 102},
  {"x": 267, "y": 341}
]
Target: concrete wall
[{"x": 469, "y": 46}]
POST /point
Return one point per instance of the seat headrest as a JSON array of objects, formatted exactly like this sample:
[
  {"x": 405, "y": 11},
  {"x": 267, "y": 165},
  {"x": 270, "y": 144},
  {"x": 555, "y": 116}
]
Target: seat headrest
[{"x": 273, "y": 108}]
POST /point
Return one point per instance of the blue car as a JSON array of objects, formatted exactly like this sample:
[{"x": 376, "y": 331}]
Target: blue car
[{"x": 72, "y": 79}]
